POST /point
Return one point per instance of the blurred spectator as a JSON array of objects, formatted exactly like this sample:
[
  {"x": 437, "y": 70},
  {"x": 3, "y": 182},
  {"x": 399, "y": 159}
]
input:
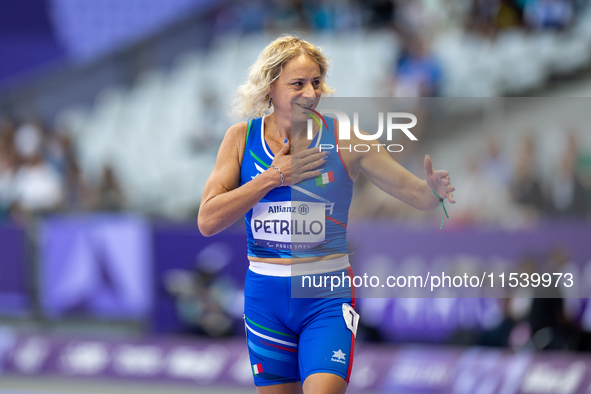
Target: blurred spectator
[
  {"x": 347, "y": 14},
  {"x": 28, "y": 140},
  {"x": 56, "y": 153},
  {"x": 288, "y": 15},
  {"x": 525, "y": 186},
  {"x": 77, "y": 194},
  {"x": 509, "y": 15},
  {"x": 484, "y": 198},
  {"x": 483, "y": 15},
  {"x": 567, "y": 194},
  {"x": 475, "y": 191},
  {"x": 488, "y": 16},
  {"x": 513, "y": 330},
  {"x": 109, "y": 195},
  {"x": 381, "y": 12},
  {"x": 8, "y": 167},
  {"x": 420, "y": 18},
  {"x": 495, "y": 165},
  {"x": 580, "y": 6},
  {"x": 213, "y": 127},
  {"x": 252, "y": 15},
  {"x": 410, "y": 18},
  {"x": 320, "y": 15},
  {"x": 418, "y": 73},
  {"x": 333, "y": 14},
  {"x": 551, "y": 328},
  {"x": 548, "y": 14},
  {"x": 584, "y": 167},
  {"x": 582, "y": 164},
  {"x": 535, "y": 316},
  {"x": 38, "y": 186},
  {"x": 31, "y": 182},
  {"x": 205, "y": 298}
]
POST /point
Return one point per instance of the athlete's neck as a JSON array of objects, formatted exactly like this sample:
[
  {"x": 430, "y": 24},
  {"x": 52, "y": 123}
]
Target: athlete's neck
[
  {"x": 297, "y": 133},
  {"x": 281, "y": 125}
]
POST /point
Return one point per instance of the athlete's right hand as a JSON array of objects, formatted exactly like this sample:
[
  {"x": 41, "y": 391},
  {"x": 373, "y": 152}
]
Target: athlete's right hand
[{"x": 299, "y": 166}]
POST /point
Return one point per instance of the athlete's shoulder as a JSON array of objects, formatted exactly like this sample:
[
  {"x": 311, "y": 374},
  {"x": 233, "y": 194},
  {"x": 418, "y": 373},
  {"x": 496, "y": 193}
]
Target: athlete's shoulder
[
  {"x": 233, "y": 142},
  {"x": 239, "y": 130},
  {"x": 236, "y": 136}
]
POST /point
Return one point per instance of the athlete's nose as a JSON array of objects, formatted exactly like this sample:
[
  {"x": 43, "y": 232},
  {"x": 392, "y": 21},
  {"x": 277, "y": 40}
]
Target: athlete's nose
[{"x": 309, "y": 91}]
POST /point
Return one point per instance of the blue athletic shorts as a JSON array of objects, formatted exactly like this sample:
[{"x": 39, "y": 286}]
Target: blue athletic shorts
[{"x": 292, "y": 338}]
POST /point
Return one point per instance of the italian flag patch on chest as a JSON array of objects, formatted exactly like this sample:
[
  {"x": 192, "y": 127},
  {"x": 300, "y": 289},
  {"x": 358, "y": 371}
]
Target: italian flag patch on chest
[{"x": 323, "y": 179}]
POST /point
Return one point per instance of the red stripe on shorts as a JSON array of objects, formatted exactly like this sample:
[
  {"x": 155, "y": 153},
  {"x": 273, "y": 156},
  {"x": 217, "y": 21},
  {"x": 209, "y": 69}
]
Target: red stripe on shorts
[
  {"x": 279, "y": 347},
  {"x": 352, "y": 349}
]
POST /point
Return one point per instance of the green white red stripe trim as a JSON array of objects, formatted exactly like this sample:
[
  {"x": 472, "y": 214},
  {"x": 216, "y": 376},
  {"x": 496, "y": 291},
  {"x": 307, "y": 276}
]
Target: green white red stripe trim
[
  {"x": 258, "y": 334},
  {"x": 309, "y": 193}
]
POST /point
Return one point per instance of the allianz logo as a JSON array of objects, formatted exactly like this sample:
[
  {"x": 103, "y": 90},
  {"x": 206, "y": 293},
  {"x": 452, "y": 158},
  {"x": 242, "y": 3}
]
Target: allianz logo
[{"x": 280, "y": 209}]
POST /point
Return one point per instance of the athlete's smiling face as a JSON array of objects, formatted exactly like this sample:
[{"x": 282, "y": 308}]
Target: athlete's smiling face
[{"x": 301, "y": 82}]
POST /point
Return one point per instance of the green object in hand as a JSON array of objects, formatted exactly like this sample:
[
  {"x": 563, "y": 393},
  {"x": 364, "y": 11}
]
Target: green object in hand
[{"x": 442, "y": 206}]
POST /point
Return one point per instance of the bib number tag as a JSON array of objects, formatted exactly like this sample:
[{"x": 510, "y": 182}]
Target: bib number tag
[
  {"x": 351, "y": 318},
  {"x": 288, "y": 225}
]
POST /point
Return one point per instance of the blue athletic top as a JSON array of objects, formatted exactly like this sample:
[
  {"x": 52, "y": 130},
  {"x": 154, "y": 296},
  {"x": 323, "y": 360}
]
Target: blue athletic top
[{"x": 304, "y": 220}]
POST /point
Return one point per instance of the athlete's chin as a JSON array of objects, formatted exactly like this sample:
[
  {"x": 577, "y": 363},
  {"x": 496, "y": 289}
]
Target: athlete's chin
[
  {"x": 300, "y": 114},
  {"x": 299, "y": 118}
]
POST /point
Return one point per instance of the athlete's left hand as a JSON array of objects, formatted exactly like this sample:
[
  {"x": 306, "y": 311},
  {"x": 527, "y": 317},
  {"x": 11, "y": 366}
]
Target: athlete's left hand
[{"x": 438, "y": 180}]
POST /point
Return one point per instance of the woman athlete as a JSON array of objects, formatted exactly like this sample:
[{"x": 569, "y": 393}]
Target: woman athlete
[{"x": 270, "y": 172}]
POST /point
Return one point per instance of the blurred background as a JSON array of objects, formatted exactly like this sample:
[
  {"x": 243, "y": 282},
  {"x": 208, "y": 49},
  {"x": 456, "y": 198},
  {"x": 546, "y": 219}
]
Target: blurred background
[{"x": 111, "y": 113}]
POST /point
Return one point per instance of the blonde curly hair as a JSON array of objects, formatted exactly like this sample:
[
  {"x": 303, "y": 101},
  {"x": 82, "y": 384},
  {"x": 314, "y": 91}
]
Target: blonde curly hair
[{"x": 252, "y": 98}]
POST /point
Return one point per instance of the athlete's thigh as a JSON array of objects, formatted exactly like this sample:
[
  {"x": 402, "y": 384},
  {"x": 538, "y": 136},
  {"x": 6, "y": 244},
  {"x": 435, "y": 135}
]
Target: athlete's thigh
[
  {"x": 284, "y": 388},
  {"x": 326, "y": 342},
  {"x": 324, "y": 383},
  {"x": 272, "y": 346}
]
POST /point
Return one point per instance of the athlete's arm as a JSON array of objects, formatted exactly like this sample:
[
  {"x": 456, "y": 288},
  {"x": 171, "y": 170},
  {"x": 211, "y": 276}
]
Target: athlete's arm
[
  {"x": 224, "y": 201},
  {"x": 383, "y": 171}
]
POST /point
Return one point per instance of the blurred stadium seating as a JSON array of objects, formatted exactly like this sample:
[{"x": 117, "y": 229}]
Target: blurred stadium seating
[{"x": 158, "y": 116}]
